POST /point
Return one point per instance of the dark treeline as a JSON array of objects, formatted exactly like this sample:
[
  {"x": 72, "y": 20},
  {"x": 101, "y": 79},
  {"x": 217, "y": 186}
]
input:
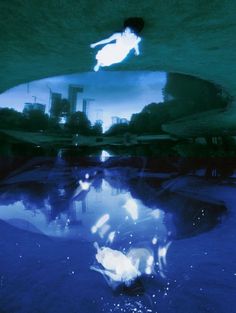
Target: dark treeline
[
  {"x": 36, "y": 120},
  {"x": 183, "y": 96}
]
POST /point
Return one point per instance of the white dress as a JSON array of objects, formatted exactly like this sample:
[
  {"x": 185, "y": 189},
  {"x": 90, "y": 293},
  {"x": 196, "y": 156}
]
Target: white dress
[{"x": 117, "y": 51}]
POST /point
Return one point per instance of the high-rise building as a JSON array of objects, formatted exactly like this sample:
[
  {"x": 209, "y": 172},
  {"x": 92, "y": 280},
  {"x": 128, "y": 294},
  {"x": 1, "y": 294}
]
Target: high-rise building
[
  {"x": 86, "y": 106},
  {"x": 119, "y": 120},
  {"x": 34, "y": 107},
  {"x": 115, "y": 120},
  {"x": 54, "y": 103},
  {"x": 99, "y": 122},
  {"x": 73, "y": 90},
  {"x": 124, "y": 120}
]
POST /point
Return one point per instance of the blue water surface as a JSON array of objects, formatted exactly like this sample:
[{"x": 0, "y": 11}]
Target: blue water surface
[{"x": 48, "y": 208}]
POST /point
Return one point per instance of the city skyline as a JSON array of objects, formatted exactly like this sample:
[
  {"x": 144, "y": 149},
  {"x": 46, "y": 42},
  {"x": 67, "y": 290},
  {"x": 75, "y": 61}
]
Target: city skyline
[{"x": 115, "y": 93}]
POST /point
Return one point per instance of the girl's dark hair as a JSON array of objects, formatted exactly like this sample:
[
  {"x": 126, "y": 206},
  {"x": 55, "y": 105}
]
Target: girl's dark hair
[{"x": 135, "y": 23}]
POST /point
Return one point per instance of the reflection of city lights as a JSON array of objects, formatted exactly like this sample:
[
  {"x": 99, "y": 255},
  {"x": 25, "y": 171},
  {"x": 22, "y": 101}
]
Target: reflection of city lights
[
  {"x": 156, "y": 213},
  {"x": 84, "y": 185},
  {"x": 148, "y": 270},
  {"x": 104, "y": 156},
  {"x": 132, "y": 208},
  {"x": 162, "y": 251},
  {"x": 111, "y": 236},
  {"x": 150, "y": 260},
  {"x": 100, "y": 223},
  {"x": 154, "y": 240}
]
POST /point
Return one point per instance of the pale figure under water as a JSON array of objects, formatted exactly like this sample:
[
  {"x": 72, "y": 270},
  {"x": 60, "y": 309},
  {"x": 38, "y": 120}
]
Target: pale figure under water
[
  {"x": 124, "y": 268},
  {"x": 117, "y": 51}
]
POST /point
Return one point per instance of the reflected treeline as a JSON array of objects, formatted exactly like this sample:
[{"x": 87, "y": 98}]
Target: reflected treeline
[{"x": 53, "y": 187}]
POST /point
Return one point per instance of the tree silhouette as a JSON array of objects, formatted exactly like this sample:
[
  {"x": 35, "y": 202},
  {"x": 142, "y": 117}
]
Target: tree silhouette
[
  {"x": 97, "y": 129},
  {"x": 11, "y": 119},
  {"x": 79, "y": 123}
]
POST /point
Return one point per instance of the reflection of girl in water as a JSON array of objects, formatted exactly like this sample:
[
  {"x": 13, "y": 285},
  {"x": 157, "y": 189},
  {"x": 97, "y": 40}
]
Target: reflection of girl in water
[{"x": 117, "y": 51}]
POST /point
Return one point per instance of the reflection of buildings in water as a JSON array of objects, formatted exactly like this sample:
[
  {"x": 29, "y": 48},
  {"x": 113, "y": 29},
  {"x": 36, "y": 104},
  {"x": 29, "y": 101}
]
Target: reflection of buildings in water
[
  {"x": 108, "y": 193},
  {"x": 117, "y": 191},
  {"x": 84, "y": 205},
  {"x": 189, "y": 216}
]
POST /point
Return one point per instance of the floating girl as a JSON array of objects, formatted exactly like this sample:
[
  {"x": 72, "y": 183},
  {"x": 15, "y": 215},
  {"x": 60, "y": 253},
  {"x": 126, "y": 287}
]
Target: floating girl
[{"x": 122, "y": 43}]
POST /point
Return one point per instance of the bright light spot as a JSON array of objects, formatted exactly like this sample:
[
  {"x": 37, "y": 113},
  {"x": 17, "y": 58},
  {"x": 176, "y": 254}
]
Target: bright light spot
[
  {"x": 148, "y": 270},
  {"x": 62, "y": 120},
  {"x": 156, "y": 213},
  {"x": 132, "y": 208},
  {"x": 150, "y": 260},
  {"x": 162, "y": 251},
  {"x": 102, "y": 220},
  {"x": 94, "y": 229},
  {"x": 104, "y": 156},
  {"x": 154, "y": 240},
  {"x": 84, "y": 185},
  {"x": 87, "y": 175},
  {"x": 100, "y": 223},
  {"x": 111, "y": 236}
]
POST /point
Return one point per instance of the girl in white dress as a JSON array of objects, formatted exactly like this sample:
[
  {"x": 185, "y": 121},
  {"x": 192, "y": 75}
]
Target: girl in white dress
[{"x": 117, "y": 51}]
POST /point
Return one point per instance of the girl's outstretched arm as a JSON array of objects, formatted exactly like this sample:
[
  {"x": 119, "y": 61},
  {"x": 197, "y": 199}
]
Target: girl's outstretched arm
[{"x": 104, "y": 41}]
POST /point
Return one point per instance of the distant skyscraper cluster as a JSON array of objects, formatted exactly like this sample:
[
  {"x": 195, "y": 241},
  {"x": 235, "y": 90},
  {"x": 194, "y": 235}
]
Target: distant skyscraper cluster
[
  {"x": 34, "y": 106},
  {"x": 61, "y": 108},
  {"x": 119, "y": 120}
]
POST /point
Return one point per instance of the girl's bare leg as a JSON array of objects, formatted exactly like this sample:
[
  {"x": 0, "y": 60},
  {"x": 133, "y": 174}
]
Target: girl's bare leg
[{"x": 96, "y": 67}]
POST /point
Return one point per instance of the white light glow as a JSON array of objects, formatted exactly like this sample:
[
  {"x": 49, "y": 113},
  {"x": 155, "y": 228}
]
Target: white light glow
[
  {"x": 104, "y": 156},
  {"x": 111, "y": 236},
  {"x": 148, "y": 270},
  {"x": 84, "y": 185},
  {"x": 117, "y": 51},
  {"x": 162, "y": 252},
  {"x": 156, "y": 213},
  {"x": 154, "y": 240},
  {"x": 100, "y": 223},
  {"x": 132, "y": 208}
]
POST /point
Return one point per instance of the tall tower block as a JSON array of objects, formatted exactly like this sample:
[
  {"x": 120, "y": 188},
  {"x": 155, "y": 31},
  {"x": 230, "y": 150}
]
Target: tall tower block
[
  {"x": 86, "y": 105},
  {"x": 73, "y": 90}
]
